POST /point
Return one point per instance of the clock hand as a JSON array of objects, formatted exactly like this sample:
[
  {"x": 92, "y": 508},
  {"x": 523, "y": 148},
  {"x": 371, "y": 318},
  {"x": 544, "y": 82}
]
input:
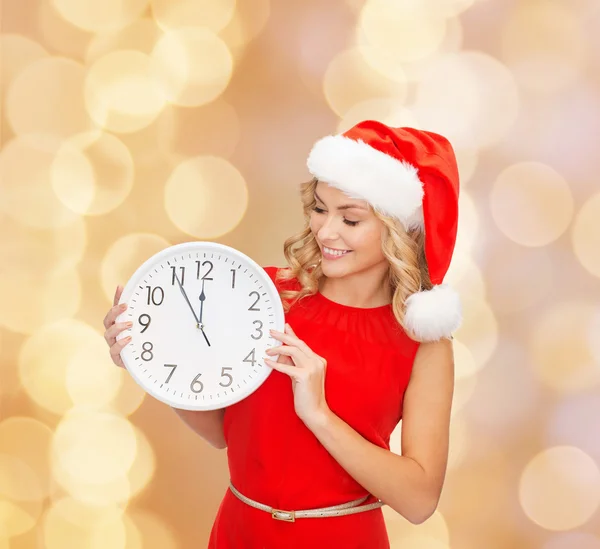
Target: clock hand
[
  {"x": 202, "y": 298},
  {"x": 204, "y": 335},
  {"x": 186, "y": 298},
  {"x": 200, "y": 325}
]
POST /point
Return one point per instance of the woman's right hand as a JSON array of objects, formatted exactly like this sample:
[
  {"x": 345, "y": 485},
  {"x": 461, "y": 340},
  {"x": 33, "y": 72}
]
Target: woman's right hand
[{"x": 113, "y": 329}]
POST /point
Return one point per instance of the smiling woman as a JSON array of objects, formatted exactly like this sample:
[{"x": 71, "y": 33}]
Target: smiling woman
[{"x": 366, "y": 344}]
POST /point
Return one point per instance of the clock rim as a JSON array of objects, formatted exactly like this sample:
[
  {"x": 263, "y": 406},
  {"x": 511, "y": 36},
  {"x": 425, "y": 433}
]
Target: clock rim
[{"x": 127, "y": 294}]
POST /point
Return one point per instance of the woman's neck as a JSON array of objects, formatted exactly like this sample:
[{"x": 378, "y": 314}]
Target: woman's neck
[{"x": 364, "y": 290}]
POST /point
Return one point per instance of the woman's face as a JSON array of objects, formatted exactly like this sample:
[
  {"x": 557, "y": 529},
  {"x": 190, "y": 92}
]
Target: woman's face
[{"x": 342, "y": 223}]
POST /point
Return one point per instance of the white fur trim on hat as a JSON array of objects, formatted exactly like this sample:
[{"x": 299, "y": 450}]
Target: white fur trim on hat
[
  {"x": 392, "y": 186},
  {"x": 433, "y": 314}
]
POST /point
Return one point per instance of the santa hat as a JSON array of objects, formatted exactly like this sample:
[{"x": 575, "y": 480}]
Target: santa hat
[{"x": 411, "y": 175}]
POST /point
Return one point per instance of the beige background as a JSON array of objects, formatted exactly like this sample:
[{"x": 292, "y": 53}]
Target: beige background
[{"x": 130, "y": 125}]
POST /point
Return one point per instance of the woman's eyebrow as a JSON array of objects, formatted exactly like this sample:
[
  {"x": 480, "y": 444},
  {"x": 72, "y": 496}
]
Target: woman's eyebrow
[{"x": 344, "y": 206}]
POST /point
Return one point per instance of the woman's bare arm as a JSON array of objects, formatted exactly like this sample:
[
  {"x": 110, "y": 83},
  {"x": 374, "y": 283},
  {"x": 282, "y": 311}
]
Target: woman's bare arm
[{"x": 208, "y": 424}]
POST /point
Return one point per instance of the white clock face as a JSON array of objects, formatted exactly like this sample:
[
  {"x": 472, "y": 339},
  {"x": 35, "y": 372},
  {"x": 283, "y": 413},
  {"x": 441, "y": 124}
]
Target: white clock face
[{"x": 201, "y": 316}]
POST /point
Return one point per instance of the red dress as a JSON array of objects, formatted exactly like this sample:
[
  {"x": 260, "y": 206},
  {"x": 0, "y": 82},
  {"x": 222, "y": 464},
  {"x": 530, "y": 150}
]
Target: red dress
[{"x": 276, "y": 460}]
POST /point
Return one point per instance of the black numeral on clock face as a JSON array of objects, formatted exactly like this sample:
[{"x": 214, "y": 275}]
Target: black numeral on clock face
[
  {"x": 154, "y": 294},
  {"x": 196, "y": 385},
  {"x": 205, "y": 277},
  {"x": 252, "y": 307},
  {"x": 250, "y": 354},
  {"x": 259, "y": 329},
  {"x": 233, "y": 278},
  {"x": 174, "y": 366},
  {"x": 145, "y": 321},
  {"x": 147, "y": 353},
  {"x": 181, "y": 276},
  {"x": 225, "y": 374}
]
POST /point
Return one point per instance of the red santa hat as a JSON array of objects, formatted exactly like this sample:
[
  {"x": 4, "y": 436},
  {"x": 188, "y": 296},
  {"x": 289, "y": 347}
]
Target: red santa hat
[{"x": 411, "y": 175}]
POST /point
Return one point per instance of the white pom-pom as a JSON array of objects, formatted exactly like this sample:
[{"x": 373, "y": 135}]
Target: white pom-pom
[{"x": 433, "y": 314}]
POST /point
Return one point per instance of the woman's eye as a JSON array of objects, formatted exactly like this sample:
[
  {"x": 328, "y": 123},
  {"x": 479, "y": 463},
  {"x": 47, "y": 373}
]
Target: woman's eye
[{"x": 318, "y": 210}]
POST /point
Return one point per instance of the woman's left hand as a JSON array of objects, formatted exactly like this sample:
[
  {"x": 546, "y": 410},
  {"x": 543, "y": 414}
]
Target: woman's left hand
[{"x": 307, "y": 370}]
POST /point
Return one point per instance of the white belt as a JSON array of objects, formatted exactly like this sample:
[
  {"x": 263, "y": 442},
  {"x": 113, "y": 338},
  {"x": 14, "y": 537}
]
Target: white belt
[{"x": 349, "y": 508}]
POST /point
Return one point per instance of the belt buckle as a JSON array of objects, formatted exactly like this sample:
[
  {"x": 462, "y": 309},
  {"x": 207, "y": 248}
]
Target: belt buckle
[{"x": 286, "y": 516}]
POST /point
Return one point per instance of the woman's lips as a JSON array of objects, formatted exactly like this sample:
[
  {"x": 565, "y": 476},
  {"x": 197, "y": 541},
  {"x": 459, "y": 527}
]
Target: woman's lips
[{"x": 331, "y": 257}]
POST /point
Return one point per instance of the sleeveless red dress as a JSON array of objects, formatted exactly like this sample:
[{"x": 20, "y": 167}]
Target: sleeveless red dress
[{"x": 276, "y": 460}]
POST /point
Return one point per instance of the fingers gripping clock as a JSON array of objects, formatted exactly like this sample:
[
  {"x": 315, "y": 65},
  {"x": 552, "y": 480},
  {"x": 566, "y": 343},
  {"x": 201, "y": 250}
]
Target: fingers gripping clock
[{"x": 201, "y": 314}]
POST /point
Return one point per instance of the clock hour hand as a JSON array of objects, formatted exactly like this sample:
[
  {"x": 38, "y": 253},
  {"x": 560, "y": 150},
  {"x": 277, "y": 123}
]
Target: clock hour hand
[
  {"x": 200, "y": 324},
  {"x": 202, "y": 298},
  {"x": 186, "y": 298}
]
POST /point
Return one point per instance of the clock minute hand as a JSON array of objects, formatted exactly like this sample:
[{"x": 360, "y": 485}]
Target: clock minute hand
[{"x": 186, "y": 298}]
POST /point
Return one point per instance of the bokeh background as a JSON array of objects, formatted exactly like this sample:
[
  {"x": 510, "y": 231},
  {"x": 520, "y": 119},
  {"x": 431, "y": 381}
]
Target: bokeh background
[{"x": 131, "y": 125}]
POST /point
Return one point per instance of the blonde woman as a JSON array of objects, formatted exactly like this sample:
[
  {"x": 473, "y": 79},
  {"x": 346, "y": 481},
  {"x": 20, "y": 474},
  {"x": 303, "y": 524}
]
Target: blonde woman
[{"x": 367, "y": 343}]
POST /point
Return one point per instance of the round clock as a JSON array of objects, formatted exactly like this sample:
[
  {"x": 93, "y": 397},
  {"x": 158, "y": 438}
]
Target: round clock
[{"x": 201, "y": 314}]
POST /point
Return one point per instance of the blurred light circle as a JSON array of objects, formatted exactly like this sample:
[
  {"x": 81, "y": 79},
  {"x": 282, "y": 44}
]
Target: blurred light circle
[
  {"x": 95, "y": 16},
  {"x": 479, "y": 103},
  {"x": 248, "y": 21},
  {"x": 447, "y": 8},
  {"x": 469, "y": 224},
  {"x": 452, "y": 43},
  {"x": 458, "y": 441},
  {"x": 121, "y": 93},
  {"x": 124, "y": 257},
  {"x": 504, "y": 378},
  {"x": 586, "y": 235},
  {"x": 57, "y": 34},
  {"x": 509, "y": 290},
  {"x": 29, "y": 440},
  {"x": 592, "y": 335},
  {"x": 71, "y": 524},
  {"x": 30, "y": 300},
  {"x": 561, "y": 354},
  {"x": 465, "y": 365},
  {"x": 399, "y": 529},
  {"x": 44, "y": 358},
  {"x": 141, "y": 36},
  {"x": 466, "y": 278},
  {"x": 129, "y": 398},
  {"x": 26, "y": 193},
  {"x": 54, "y": 251},
  {"x": 349, "y": 80},
  {"x": 531, "y": 204},
  {"x": 22, "y": 494},
  {"x": 92, "y": 173},
  {"x": 555, "y": 476},
  {"x": 206, "y": 197},
  {"x": 384, "y": 109},
  {"x": 419, "y": 541},
  {"x": 479, "y": 330},
  {"x": 17, "y": 518},
  {"x": 18, "y": 52},
  {"x": 154, "y": 532},
  {"x": 92, "y": 380},
  {"x": 46, "y": 98},
  {"x": 464, "y": 388},
  {"x": 212, "y": 14},
  {"x": 572, "y": 540},
  {"x": 570, "y": 423},
  {"x": 94, "y": 447},
  {"x": 117, "y": 491},
  {"x": 409, "y": 31},
  {"x": 544, "y": 46},
  {"x": 193, "y": 66},
  {"x": 210, "y": 129}
]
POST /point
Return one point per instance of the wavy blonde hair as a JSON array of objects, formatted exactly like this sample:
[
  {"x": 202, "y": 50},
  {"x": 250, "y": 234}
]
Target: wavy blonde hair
[{"x": 405, "y": 251}]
